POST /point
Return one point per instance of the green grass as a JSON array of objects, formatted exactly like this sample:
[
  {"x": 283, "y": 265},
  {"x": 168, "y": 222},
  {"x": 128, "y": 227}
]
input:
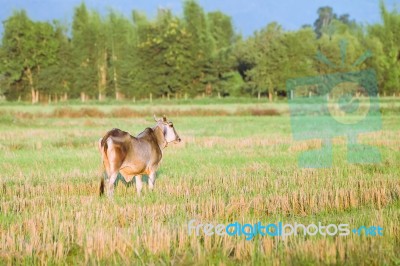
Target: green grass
[{"x": 228, "y": 168}]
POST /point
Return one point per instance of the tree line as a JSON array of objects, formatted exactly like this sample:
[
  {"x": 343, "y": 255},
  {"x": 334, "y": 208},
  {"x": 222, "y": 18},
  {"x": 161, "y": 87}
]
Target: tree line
[{"x": 194, "y": 55}]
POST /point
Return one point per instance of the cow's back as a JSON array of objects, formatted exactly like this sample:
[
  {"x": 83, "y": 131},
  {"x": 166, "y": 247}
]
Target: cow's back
[{"x": 144, "y": 150}]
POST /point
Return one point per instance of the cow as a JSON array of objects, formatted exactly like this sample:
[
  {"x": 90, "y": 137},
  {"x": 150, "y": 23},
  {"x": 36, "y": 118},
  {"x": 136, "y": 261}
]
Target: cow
[{"x": 135, "y": 156}]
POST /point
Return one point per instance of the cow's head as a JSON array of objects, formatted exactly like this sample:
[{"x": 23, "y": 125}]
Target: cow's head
[{"x": 168, "y": 129}]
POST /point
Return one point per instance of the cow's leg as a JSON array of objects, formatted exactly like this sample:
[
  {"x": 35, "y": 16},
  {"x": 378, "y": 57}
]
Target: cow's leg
[
  {"x": 111, "y": 182},
  {"x": 114, "y": 158},
  {"x": 152, "y": 180},
  {"x": 139, "y": 184}
]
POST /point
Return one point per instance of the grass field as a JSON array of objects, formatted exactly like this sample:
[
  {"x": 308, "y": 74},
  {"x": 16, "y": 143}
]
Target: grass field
[{"x": 240, "y": 166}]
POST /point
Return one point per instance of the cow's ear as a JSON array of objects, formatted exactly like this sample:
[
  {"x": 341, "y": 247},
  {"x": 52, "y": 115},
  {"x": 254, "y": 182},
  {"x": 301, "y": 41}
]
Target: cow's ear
[{"x": 164, "y": 118}]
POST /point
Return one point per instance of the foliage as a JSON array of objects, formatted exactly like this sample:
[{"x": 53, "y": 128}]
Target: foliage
[{"x": 194, "y": 55}]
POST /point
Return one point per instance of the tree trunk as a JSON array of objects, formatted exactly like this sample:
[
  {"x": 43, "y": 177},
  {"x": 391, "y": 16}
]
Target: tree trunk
[
  {"x": 270, "y": 96},
  {"x": 102, "y": 76},
  {"x": 208, "y": 89},
  {"x": 83, "y": 97},
  {"x": 114, "y": 58},
  {"x": 117, "y": 96},
  {"x": 37, "y": 91},
  {"x": 33, "y": 95},
  {"x": 28, "y": 74}
]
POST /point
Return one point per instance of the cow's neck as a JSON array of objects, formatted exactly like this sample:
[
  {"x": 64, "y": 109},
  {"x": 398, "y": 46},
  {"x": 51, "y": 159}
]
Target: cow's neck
[{"x": 162, "y": 143}]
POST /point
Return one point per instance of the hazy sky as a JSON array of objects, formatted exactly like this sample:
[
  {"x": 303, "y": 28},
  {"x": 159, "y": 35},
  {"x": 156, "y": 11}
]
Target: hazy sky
[{"x": 248, "y": 15}]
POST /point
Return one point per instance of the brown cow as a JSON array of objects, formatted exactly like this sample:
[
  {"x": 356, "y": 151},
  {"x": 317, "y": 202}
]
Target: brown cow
[{"x": 135, "y": 156}]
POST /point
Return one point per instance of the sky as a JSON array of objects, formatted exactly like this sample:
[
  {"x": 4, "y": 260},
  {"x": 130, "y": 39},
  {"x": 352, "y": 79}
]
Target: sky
[{"x": 247, "y": 15}]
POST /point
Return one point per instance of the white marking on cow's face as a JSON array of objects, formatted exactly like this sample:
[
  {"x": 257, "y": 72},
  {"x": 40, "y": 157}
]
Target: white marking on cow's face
[{"x": 170, "y": 134}]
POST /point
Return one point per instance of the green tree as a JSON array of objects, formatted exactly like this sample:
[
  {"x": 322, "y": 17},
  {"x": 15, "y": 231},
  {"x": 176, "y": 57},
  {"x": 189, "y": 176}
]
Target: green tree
[
  {"x": 162, "y": 55},
  {"x": 268, "y": 55},
  {"x": 148, "y": 56},
  {"x": 28, "y": 47},
  {"x": 57, "y": 77},
  {"x": 221, "y": 64},
  {"x": 17, "y": 48},
  {"x": 119, "y": 45},
  {"x": 323, "y": 22},
  {"x": 389, "y": 36},
  {"x": 89, "y": 43},
  {"x": 200, "y": 45},
  {"x": 301, "y": 47},
  {"x": 81, "y": 52}
]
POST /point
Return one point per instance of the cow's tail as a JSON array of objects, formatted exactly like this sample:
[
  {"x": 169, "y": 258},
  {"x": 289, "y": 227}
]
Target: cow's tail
[
  {"x": 101, "y": 191},
  {"x": 103, "y": 150}
]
